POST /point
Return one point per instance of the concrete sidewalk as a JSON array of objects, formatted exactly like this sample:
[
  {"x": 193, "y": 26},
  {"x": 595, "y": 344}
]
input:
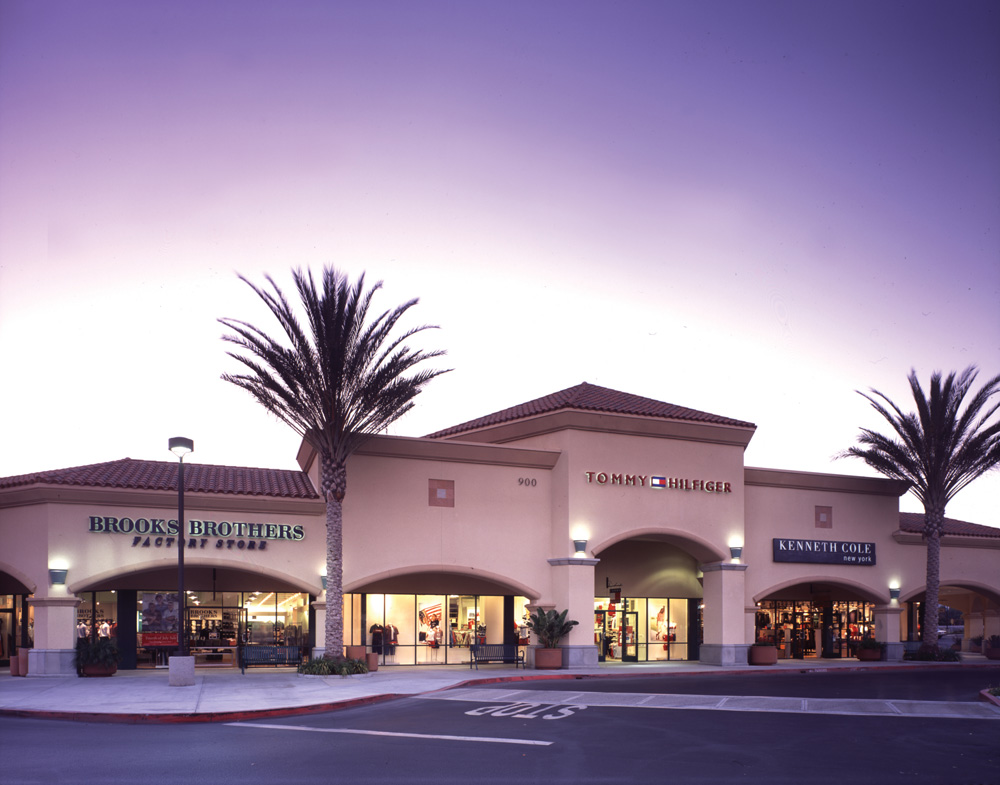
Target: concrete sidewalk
[{"x": 226, "y": 694}]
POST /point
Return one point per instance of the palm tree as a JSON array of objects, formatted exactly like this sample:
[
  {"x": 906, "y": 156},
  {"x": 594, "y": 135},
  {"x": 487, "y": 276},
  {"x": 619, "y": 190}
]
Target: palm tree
[
  {"x": 335, "y": 384},
  {"x": 938, "y": 450}
]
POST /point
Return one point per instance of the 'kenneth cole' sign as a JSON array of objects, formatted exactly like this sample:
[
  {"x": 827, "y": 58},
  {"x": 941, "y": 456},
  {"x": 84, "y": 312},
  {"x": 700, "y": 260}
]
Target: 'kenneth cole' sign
[{"x": 823, "y": 551}]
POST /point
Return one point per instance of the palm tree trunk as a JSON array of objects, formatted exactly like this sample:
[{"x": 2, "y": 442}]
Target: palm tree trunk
[
  {"x": 933, "y": 521},
  {"x": 334, "y": 487}
]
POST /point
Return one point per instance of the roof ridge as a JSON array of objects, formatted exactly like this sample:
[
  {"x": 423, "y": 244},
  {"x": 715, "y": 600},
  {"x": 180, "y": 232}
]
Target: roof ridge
[{"x": 590, "y": 397}]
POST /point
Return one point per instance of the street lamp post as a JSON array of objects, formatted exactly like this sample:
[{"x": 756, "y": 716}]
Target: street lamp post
[{"x": 180, "y": 447}]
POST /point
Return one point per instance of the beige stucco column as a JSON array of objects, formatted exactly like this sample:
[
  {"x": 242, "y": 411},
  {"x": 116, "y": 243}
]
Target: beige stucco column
[
  {"x": 573, "y": 589},
  {"x": 54, "y": 634},
  {"x": 887, "y": 629},
  {"x": 724, "y": 615},
  {"x": 319, "y": 605}
]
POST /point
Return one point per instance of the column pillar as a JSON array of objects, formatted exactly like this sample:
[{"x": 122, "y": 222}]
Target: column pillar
[
  {"x": 55, "y": 636},
  {"x": 319, "y": 610},
  {"x": 725, "y": 614},
  {"x": 887, "y": 629},
  {"x": 573, "y": 589}
]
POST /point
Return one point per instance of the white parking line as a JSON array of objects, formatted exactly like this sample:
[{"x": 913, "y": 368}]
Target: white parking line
[{"x": 357, "y": 732}]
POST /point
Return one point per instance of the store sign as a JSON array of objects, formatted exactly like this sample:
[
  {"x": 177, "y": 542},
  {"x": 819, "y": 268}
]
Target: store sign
[
  {"x": 162, "y": 533},
  {"x": 658, "y": 482},
  {"x": 823, "y": 552}
]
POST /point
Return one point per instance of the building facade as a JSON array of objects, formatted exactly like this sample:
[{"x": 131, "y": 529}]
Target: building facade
[{"x": 637, "y": 516}]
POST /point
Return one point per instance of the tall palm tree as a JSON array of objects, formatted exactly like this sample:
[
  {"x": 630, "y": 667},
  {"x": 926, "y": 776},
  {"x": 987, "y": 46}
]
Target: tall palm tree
[
  {"x": 336, "y": 383},
  {"x": 939, "y": 449}
]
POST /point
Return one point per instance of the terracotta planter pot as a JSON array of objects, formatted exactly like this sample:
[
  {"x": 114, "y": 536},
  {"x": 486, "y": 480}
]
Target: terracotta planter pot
[
  {"x": 15, "y": 665},
  {"x": 372, "y": 660},
  {"x": 762, "y": 655},
  {"x": 356, "y": 652},
  {"x": 992, "y": 654},
  {"x": 100, "y": 670},
  {"x": 548, "y": 659},
  {"x": 869, "y": 655},
  {"x": 22, "y": 656}
]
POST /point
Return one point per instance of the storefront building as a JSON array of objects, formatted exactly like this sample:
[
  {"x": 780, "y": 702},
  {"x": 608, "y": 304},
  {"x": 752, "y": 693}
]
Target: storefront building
[{"x": 637, "y": 516}]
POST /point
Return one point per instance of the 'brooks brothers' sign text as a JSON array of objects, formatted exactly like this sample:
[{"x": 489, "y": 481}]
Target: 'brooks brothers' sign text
[{"x": 823, "y": 551}]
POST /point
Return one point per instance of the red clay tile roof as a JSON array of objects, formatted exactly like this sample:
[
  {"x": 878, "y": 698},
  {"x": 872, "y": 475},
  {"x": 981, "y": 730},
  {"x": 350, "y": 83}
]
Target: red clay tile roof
[
  {"x": 914, "y": 522},
  {"x": 590, "y": 397},
  {"x": 162, "y": 476}
]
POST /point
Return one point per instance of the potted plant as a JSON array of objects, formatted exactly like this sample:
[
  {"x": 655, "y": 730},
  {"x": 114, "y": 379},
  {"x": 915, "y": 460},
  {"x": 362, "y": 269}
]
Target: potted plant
[
  {"x": 97, "y": 657},
  {"x": 549, "y": 627},
  {"x": 870, "y": 650},
  {"x": 976, "y": 644},
  {"x": 762, "y": 653},
  {"x": 991, "y": 647}
]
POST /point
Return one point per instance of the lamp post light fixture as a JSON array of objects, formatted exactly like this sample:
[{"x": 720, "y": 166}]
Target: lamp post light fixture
[{"x": 180, "y": 447}]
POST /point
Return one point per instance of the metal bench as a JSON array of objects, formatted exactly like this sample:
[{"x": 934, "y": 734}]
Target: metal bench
[
  {"x": 269, "y": 655},
  {"x": 496, "y": 652}
]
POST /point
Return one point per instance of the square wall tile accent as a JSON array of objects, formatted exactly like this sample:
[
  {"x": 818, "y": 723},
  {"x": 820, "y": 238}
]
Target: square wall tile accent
[
  {"x": 824, "y": 517},
  {"x": 441, "y": 493}
]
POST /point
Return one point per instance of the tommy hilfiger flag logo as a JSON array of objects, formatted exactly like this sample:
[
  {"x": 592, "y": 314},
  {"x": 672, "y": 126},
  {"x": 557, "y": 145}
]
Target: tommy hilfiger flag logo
[{"x": 658, "y": 482}]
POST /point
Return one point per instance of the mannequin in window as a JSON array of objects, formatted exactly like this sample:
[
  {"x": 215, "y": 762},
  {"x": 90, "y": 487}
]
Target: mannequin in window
[{"x": 434, "y": 638}]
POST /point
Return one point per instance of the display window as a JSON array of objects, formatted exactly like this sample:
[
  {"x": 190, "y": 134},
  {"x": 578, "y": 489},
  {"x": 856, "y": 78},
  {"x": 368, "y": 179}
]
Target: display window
[
  {"x": 431, "y": 629},
  {"x": 217, "y": 624},
  {"x": 802, "y": 629},
  {"x": 16, "y": 628}
]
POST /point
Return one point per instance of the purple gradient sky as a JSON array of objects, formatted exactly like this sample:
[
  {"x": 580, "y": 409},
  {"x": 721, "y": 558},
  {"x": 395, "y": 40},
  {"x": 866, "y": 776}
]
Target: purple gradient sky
[{"x": 752, "y": 209}]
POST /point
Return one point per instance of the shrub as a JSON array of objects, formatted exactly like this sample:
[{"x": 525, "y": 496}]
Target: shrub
[
  {"x": 871, "y": 643},
  {"x": 328, "y": 666},
  {"x": 102, "y": 651},
  {"x": 934, "y": 654}
]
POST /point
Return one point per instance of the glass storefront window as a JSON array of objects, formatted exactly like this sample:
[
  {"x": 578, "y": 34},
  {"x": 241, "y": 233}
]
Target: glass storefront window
[
  {"x": 804, "y": 628},
  {"x": 431, "y": 629}
]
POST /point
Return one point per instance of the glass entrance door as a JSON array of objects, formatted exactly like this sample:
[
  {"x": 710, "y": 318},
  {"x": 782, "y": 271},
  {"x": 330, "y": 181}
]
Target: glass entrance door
[{"x": 630, "y": 637}]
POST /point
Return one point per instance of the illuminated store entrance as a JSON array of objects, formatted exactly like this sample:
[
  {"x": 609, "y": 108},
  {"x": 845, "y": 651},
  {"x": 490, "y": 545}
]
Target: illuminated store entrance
[
  {"x": 647, "y": 629},
  {"x": 648, "y": 600}
]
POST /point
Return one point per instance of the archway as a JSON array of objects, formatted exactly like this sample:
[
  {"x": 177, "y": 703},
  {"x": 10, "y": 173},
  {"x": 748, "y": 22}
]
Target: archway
[{"x": 648, "y": 596}]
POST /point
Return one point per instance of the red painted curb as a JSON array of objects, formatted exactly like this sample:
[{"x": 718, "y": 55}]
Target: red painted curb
[
  {"x": 984, "y": 695},
  {"x": 218, "y": 716}
]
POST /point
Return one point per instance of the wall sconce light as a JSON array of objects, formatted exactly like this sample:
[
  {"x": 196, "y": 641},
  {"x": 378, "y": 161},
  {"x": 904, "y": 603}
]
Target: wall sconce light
[
  {"x": 893, "y": 592},
  {"x": 735, "y": 551},
  {"x": 581, "y": 547},
  {"x": 57, "y": 577},
  {"x": 322, "y": 579}
]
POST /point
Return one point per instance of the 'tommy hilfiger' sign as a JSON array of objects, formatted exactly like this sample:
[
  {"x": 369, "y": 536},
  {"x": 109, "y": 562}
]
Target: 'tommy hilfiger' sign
[
  {"x": 823, "y": 551},
  {"x": 658, "y": 482},
  {"x": 162, "y": 533}
]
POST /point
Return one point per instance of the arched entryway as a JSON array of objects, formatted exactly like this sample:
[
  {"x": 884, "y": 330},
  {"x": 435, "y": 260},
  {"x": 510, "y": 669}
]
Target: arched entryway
[
  {"x": 649, "y": 597},
  {"x": 224, "y": 608}
]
